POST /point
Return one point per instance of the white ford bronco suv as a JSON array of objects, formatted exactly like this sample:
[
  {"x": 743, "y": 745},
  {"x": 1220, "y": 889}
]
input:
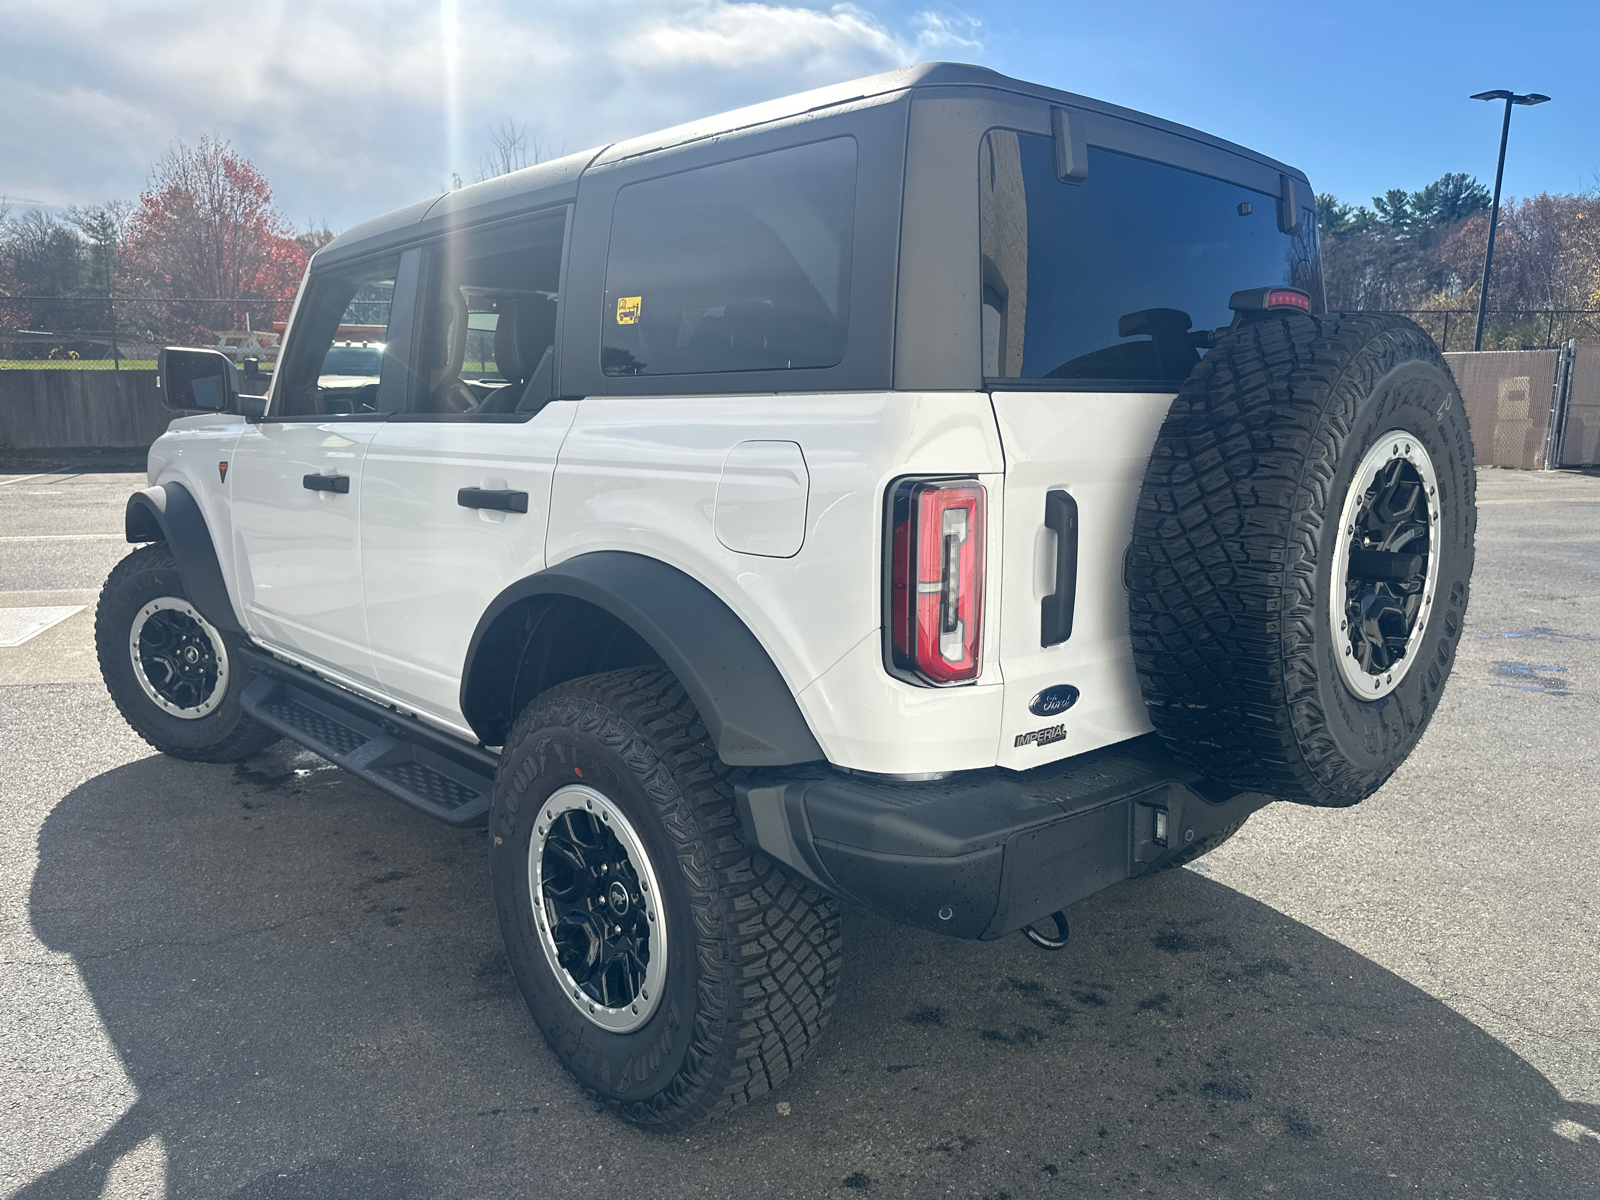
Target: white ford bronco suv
[{"x": 937, "y": 492}]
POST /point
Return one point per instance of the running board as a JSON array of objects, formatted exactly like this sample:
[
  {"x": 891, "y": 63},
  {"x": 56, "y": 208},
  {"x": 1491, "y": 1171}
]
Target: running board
[{"x": 427, "y": 769}]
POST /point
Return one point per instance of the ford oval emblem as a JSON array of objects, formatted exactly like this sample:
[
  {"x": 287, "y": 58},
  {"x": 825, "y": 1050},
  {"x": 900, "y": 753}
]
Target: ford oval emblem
[{"x": 1053, "y": 700}]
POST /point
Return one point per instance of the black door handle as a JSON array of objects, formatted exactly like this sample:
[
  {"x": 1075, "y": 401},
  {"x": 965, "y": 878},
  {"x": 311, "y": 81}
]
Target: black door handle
[
  {"x": 497, "y": 498},
  {"x": 327, "y": 483},
  {"x": 1055, "y": 610}
]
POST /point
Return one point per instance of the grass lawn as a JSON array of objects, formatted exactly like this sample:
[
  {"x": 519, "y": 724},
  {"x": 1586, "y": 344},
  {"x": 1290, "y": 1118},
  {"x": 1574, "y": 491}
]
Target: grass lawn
[{"x": 75, "y": 364}]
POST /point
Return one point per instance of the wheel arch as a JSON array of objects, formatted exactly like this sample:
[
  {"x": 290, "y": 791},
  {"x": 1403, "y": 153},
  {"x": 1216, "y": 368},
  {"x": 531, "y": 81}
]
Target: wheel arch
[
  {"x": 169, "y": 513},
  {"x": 610, "y": 609}
]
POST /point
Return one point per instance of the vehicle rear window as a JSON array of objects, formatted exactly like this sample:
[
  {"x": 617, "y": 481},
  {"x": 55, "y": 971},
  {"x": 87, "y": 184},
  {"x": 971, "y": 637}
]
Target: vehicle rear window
[
  {"x": 742, "y": 266},
  {"x": 1063, "y": 263}
]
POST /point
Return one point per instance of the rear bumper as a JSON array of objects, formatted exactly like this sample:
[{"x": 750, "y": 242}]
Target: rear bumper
[{"x": 985, "y": 853}]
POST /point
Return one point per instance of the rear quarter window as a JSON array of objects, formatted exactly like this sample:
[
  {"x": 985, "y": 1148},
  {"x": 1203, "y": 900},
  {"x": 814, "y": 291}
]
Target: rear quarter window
[
  {"x": 741, "y": 266},
  {"x": 1063, "y": 264}
]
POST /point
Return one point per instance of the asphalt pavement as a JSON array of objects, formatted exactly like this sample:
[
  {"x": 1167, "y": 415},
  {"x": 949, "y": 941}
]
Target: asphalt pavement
[{"x": 269, "y": 980}]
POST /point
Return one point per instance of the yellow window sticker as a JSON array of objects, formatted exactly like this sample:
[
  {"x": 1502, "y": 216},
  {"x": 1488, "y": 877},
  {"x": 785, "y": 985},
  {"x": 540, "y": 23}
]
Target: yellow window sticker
[{"x": 628, "y": 309}]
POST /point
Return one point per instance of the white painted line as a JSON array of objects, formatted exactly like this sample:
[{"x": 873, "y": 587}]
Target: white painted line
[
  {"x": 17, "y": 625},
  {"x": 25, "y": 478},
  {"x": 1543, "y": 500},
  {"x": 63, "y": 537}
]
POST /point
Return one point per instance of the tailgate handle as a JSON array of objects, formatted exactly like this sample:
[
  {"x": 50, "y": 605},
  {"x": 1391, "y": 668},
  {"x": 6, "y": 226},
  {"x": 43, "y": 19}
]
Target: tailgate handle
[
  {"x": 1055, "y": 610},
  {"x": 497, "y": 498},
  {"x": 327, "y": 483}
]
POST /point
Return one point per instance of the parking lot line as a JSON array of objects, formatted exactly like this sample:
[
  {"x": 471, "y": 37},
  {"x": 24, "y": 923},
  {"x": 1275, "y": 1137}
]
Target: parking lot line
[
  {"x": 1540, "y": 500},
  {"x": 62, "y": 537},
  {"x": 19, "y": 625}
]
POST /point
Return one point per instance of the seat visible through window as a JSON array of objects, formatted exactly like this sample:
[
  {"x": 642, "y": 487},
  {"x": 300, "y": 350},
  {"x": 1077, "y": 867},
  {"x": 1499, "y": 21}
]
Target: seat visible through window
[
  {"x": 488, "y": 336},
  {"x": 524, "y": 346}
]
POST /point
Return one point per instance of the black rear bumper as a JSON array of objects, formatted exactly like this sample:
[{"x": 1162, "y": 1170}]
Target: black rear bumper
[{"x": 985, "y": 853}]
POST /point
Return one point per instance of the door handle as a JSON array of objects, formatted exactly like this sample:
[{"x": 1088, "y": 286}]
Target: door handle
[
  {"x": 327, "y": 483},
  {"x": 500, "y": 499},
  {"x": 1055, "y": 610}
]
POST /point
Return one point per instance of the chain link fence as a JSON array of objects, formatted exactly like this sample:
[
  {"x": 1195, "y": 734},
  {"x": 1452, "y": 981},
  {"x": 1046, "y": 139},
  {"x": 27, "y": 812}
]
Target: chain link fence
[
  {"x": 1506, "y": 328},
  {"x": 1533, "y": 396},
  {"x": 126, "y": 332},
  {"x": 1532, "y": 410}
]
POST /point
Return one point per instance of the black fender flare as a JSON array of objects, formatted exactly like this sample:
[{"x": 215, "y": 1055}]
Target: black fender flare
[
  {"x": 169, "y": 513},
  {"x": 741, "y": 696}
]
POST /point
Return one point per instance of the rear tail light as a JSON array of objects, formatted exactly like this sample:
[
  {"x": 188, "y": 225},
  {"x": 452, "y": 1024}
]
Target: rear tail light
[{"x": 935, "y": 616}]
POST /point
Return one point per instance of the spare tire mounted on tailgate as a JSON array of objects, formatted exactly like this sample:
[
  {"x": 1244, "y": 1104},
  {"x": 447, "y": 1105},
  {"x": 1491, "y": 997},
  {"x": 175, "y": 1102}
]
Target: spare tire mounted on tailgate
[{"x": 1302, "y": 552}]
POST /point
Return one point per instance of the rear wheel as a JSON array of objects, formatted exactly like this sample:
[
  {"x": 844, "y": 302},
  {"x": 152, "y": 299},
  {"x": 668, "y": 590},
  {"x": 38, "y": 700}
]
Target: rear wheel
[
  {"x": 172, "y": 674},
  {"x": 674, "y": 972}
]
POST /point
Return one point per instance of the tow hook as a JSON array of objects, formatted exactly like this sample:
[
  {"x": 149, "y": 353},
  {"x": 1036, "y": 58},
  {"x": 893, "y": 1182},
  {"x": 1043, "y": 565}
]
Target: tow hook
[{"x": 1044, "y": 941}]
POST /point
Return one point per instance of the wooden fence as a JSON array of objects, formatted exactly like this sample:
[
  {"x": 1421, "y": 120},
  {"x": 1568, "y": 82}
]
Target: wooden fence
[{"x": 75, "y": 411}]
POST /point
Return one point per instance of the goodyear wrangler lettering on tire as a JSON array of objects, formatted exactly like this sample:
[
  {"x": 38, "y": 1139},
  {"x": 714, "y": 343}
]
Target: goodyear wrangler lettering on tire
[{"x": 1310, "y": 492}]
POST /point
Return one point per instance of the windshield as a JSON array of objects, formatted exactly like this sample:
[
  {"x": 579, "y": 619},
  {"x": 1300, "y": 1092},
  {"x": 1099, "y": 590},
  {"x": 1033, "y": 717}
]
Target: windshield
[{"x": 366, "y": 361}]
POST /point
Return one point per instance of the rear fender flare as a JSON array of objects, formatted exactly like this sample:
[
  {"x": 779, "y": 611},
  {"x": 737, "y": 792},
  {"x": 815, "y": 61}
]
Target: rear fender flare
[
  {"x": 169, "y": 513},
  {"x": 746, "y": 704}
]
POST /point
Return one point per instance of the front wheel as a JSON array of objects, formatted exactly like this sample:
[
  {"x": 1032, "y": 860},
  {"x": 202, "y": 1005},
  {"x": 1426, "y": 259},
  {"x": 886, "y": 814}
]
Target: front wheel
[
  {"x": 171, "y": 673},
  {"x": 674, "y": 972}
]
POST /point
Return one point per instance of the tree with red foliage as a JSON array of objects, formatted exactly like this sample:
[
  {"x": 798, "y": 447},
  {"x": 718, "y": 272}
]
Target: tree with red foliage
[{"x": 207, "y": 237}]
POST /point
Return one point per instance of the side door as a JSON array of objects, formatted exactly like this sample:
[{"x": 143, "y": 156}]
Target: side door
[
  {"x": 456, "y": 488},
  {"x": 295, "y": 476}
]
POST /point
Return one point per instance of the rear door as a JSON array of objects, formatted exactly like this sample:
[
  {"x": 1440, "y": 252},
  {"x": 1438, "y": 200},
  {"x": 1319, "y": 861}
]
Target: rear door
[
  {"x": 456, "y": 489},
  {"x": 1094, "y": 290}
]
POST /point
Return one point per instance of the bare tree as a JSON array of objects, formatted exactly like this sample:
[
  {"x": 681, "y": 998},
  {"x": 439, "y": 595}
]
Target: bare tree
[
  {"x": 511, "y": 150},
  {"x": 314, "y": 237},
  {"x": 104, "y": 227}
]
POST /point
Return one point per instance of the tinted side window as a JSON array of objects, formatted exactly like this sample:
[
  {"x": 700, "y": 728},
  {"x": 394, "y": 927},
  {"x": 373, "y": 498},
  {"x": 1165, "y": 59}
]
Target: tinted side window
[
  {"x": 1064, "y": 263},
  {"x": 741, "y": 266},
  {"x": 339, "y": 345},
  {"x": 488, "y": 324}
]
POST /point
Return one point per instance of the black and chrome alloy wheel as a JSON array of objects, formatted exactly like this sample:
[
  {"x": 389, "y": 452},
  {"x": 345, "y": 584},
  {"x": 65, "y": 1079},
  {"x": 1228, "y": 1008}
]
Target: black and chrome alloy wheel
[
  {"x": 1385, "y": 566},
  {"x": 179, "y": 660},
  {"x": 675, "y": 972},
  {"x": 597, "y": 905}
]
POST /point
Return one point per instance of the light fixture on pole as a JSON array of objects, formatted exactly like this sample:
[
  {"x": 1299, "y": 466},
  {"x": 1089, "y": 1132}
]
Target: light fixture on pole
[{"x": 1494, "y": 213}]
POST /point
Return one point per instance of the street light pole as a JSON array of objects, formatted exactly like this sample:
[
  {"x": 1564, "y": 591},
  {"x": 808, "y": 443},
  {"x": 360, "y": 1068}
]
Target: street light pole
[{"x": 1494, "y": 212}]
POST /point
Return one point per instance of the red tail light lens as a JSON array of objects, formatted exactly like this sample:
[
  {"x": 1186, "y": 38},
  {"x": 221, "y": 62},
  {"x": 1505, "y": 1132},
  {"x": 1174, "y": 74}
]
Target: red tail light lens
[
  {"x": 936, "y": 580},
  {"x": 1268, "y": 298}
]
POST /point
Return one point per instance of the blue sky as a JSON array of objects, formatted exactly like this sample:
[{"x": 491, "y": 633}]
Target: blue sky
[{"x": 353, "y": 107}]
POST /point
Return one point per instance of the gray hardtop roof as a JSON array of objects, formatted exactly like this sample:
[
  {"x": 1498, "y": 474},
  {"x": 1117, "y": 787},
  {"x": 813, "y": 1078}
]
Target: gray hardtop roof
[{"x": 556, "y": 182}]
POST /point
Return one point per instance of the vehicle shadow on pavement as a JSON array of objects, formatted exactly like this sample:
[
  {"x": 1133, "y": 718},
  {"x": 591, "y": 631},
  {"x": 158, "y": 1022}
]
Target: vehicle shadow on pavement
[{"x": 305, "y": 985}]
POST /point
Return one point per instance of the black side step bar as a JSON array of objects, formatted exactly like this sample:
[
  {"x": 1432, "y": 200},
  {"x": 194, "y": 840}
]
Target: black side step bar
[{"x": 425, "y": 767}]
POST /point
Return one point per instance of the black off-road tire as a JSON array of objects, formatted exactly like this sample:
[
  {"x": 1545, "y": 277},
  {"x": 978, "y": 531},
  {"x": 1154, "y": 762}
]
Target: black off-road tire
[
  {"x": 753, "y": 954},
  {"x": 225, "y": 734},
  {"x": 1237, "y": 529}
]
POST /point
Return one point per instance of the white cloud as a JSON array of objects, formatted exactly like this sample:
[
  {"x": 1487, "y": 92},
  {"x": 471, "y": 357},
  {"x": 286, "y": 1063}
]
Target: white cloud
[{"x": 352, "y": 107}]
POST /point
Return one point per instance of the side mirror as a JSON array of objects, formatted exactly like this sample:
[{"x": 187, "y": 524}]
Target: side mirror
[{"x": 197, "y": 380}]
